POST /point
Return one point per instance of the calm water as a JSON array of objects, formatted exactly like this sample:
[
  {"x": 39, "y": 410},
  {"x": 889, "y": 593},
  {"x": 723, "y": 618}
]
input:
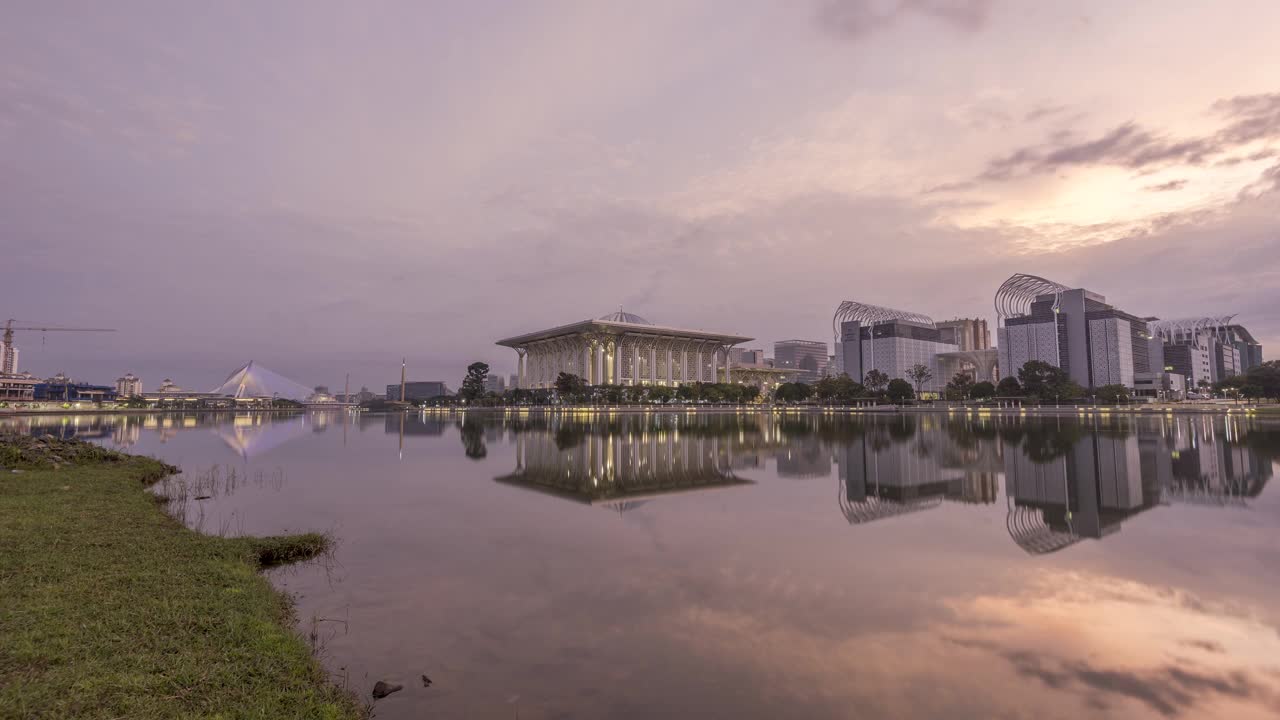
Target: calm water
[{"x": 763, "y": 566}]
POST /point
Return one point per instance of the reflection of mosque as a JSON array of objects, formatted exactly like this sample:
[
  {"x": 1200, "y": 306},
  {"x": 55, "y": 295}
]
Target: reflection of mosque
[
  {"x": 1062, "y": 492},
  {"x": 895, "y": 468},
  {"x": 620, "y": 465}
]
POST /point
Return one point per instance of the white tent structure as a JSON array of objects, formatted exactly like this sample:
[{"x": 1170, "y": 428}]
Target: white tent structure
[{"x": 255, "y": 381}]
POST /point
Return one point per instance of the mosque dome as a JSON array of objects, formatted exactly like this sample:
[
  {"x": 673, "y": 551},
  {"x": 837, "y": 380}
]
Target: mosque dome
[{"x": 624, "y": 317}]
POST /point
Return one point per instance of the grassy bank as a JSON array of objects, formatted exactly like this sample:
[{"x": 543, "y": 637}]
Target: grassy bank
[{"x": 110, "y": 608}]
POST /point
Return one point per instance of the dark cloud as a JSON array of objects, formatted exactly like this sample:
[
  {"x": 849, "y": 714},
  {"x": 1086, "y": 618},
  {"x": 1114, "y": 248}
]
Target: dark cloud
[
  {"x": 1168, "y": 186},
  {"x": 1043, "y": 111},
  {"x": 1249, "y": 119},
  {"x": 855, "y": 19},
  {"x": 1169, "y": 690},
  {"x": 1210, "y": 646}
]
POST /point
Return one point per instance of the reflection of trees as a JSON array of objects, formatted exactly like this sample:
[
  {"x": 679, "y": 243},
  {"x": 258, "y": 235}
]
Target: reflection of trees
[
  {"x": 903, "y": 428},
  {"x": 569, "y": 435},
  {"x": 473, "y": 439},
  {"x": 1043, "y": 443}
]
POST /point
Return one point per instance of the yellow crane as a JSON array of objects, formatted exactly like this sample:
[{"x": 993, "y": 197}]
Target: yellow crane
[{"x": 7, "y": 362}]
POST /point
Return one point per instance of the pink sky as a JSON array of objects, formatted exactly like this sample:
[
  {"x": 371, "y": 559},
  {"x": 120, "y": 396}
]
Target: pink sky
[{"x": 325, "y": 187}]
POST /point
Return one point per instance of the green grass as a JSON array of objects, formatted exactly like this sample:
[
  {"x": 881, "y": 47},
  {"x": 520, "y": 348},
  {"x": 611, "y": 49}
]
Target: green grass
[{"x": 109, "y": 608}]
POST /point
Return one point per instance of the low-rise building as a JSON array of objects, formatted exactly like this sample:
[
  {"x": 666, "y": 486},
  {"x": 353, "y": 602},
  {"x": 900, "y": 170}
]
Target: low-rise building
[
  {"x": 61, "y": 388},
  {"x": 17, "y": 387},
  {"x": 418, "y": 390},
  {"x": 1160, "y": 385}
]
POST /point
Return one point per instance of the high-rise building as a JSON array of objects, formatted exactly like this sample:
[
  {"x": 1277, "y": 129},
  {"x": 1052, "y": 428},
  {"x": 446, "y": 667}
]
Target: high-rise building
[
  {"x": 495, "y": 384},
  {"x": 128, "y": 386},
  {"x": 1069, "y": 328},
  {"x": 8, "y": 358},
  {"x": 965, "y": 333},
  {"x": 742, "y": 357},
  {"x": 1207, "y": 348},
  {"x": 808, "y": 357}
]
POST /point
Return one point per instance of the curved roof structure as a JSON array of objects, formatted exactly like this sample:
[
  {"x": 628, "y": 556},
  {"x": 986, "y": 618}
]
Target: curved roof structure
[
  {"x": 255, "y": 381},
  {"x": 1028, "y": 529},
  {"x": 624, "y": 317},
  {"x": 1189, "y": 326},
  {"x": 1015, "y": 295},
  {"x": 850, "y": 311}
]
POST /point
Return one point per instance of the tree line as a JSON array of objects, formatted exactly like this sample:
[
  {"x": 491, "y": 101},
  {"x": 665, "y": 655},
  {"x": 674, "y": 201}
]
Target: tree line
[{"x": 1036, "y": 380}]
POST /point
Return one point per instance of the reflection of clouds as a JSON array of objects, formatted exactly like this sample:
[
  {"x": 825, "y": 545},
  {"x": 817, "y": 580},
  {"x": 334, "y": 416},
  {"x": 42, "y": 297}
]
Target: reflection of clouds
[{"x": 1128, "y": 647}]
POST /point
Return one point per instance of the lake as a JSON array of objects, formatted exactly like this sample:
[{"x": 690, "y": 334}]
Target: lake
[{"x": 760, "y": 565}]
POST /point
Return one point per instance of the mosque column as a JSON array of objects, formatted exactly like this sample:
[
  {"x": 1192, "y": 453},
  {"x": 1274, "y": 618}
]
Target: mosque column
[
  {"x": 617, "y": 361},
  {"x": 520, "y": 355},
  {"x": 653, "y": 364},
  {"x": 728, "y": 365}
]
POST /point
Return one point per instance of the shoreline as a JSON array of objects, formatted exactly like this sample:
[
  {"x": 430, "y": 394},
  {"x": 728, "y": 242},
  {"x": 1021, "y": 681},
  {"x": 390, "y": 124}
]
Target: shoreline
[
  {"x": 1243, "y": 410},
  {"x": 115, "y": 608}
]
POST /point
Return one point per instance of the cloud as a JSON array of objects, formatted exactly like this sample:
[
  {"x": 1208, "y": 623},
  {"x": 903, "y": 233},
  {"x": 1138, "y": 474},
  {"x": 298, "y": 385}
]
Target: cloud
[
  {"x": 855, "y": 19},
  {"x": 1249, "y": 119},
  {"x": 1167, "y": 186},
  {"x": 1169, "y": 690}
]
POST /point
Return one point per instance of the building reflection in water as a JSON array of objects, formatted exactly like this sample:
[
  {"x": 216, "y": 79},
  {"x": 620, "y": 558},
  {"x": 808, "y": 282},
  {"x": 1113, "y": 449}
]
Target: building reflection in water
[
  {"x": 621, "y": 463},
  {"x": 250, "y": 435},
  {"x": 1066, "y": 480},
  {"x": 907, "y": 464},
  {"x": 1069, "y": 482}
]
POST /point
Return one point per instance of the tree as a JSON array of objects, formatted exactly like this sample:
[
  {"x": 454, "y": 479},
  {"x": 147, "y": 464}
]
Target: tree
[
  {"x": 984, "y": 390},
  {"x": 569, "y": 386},
  {"x": 1112, "y": 394},
  {"x": 793, "y": 392},
  {"x": 960, "y": 387},
  {"x": 1045, "y": 381},
  {"x": 826, "y": 388},
  {"x": 899, "y": 390},
  {"x": 1264, "y": 379},
  {"x": 875, "y": 381},
  {"x": 661, "y": 394},
  {"x": 1009, "y": 387},
  {"x": 919, "y": 374},
  {"x": 473, "y": 385}
]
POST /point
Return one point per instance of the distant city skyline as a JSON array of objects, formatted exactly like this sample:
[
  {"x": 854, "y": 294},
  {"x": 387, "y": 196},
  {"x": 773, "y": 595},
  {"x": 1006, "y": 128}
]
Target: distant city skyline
[{"x": 326, "y": 188}]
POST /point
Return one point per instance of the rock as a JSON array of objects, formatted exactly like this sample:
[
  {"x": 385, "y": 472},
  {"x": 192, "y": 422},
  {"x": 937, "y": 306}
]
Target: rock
[
  {"x": 383, "y": 688},
  {"x": 426, "y": 681},
  {"x": 203, "y": 497}
]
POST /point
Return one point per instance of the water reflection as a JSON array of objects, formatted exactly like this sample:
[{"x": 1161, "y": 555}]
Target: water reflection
[
  {"x": 620, "y": 463},
  {"x": 1069, "y": 482},
  {"x": 737, "y": 585}
]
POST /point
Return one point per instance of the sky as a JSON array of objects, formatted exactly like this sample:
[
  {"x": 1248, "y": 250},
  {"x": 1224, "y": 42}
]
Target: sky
[{"x": 326, "y": 187}]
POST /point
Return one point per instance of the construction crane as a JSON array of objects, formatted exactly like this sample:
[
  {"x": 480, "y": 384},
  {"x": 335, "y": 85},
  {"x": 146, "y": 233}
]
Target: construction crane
[{"x": 9, "y": 353}]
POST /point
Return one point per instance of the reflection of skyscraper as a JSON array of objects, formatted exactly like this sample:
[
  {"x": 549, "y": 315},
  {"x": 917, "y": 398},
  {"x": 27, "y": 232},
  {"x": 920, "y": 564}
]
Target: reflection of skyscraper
[
  {"x": 1207, "y": 461},
  {"x": 612, "y": 465},
  {"x": 895, "y": 468},
  {"x": 804, "y": 457},
  {"x": 881, "y": 477},
  {"x": 1084, "y": 490}
]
